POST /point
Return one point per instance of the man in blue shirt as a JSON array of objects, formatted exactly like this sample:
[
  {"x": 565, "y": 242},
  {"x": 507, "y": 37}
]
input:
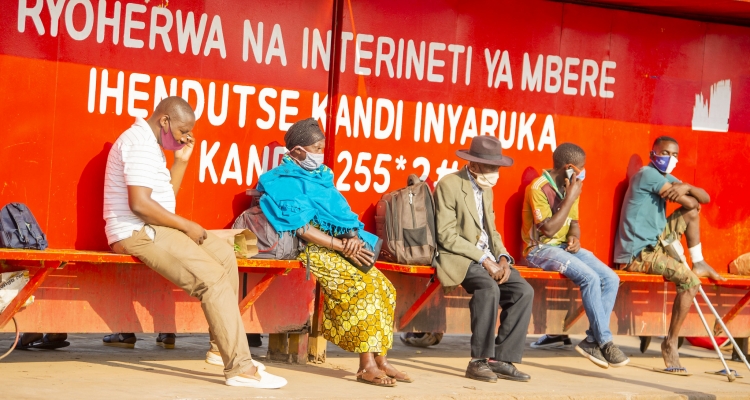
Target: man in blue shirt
[{"x": 645, "y": 233}]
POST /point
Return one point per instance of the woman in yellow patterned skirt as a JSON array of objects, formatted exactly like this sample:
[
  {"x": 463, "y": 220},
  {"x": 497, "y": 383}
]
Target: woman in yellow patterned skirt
[{"x": 299, "y": 197}]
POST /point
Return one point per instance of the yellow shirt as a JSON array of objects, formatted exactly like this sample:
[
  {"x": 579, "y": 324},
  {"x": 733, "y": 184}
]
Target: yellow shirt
[{"x": 541, "y": 201}]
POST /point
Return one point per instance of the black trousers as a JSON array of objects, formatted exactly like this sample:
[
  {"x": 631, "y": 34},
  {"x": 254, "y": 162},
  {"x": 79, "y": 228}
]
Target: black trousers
[{"x": 514, "y": 297}]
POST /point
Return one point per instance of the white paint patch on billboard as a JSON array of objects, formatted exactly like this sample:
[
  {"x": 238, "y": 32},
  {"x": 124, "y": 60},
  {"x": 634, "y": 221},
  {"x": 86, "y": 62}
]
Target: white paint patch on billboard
[{"x": 713, "y": 114}]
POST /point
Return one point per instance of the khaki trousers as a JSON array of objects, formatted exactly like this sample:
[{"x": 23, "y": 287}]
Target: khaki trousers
[{"x": 207, "y": 272}]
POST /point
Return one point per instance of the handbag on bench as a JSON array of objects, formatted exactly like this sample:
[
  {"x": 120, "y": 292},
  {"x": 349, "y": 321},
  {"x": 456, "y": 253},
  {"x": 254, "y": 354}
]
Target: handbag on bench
[{"x": 352, "y": 234}]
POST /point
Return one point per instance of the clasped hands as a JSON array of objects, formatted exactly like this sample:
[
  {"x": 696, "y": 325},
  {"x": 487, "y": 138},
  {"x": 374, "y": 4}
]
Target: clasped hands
[
  {"x": 355, "y": 250},
  {"x": 677, "y": 190},
  {"x": 499, "y": 271}
]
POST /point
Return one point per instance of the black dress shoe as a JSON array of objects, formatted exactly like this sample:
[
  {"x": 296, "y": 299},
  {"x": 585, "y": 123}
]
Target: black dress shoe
[
  {"x": 254, "y": 340},
  {"x": 506, "y": 370},
  {"x": 480, "y": 371}
]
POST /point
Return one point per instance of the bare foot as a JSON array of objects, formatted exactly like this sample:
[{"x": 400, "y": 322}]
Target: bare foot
[
  {"x": 670, "y": 354},
  {"x": 703, "y": 270}
]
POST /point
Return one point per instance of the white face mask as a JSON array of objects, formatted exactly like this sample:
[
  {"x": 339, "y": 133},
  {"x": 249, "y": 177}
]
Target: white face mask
[
  {"x": 312, "y": 161},
  {"x": 672, "y": 164},
  {"x": 488, "y": 180}
]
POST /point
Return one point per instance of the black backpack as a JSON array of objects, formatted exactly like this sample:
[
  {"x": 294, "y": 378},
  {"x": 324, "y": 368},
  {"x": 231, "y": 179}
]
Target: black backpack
[{"x": 19, "y": 229}]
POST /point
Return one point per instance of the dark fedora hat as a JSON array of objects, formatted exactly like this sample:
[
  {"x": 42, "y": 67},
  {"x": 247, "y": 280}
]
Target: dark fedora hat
[{"x": 486, "y": 150}]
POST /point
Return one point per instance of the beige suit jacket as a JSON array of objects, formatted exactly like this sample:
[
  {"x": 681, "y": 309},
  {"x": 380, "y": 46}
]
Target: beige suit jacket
[{"x": 459, "y": 228}]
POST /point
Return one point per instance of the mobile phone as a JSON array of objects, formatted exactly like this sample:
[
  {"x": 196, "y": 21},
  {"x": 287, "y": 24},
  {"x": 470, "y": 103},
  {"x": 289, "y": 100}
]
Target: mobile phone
[{"x": 571, "y": 169}]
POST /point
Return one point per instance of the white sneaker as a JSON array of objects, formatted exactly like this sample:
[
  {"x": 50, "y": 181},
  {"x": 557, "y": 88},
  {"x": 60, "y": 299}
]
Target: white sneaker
[
  {"x": 266, "y": 381},
  {"x": 215, "y": 359}
]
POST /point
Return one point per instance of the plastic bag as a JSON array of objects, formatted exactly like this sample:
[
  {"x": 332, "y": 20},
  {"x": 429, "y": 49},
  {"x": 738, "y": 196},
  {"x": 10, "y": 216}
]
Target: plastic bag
[
  {"x": 10, "y": 284},
  {"x": 245, "y": 243}
]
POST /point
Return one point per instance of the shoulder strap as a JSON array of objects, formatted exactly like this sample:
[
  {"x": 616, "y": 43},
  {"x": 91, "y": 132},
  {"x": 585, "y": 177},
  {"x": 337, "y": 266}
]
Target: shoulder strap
[
  {"x": 412, "y": 180},
  {"x": 15, "y": 214}
]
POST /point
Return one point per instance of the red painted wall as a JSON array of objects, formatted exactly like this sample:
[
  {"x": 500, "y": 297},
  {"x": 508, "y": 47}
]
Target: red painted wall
[{"x": 56, "y": 134}]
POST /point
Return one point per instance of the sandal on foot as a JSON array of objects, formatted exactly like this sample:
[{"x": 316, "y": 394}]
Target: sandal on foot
[
  {"x": 673, "y": 371},
  {"x": 43, "y": 344},
  {"x": 401, "y": 377},
  {"x": 120, "y": 340},
  {"x": 723, "y": 372},
  {"x": 166, "y": 340},
  {"x": 376, "y": 380}
]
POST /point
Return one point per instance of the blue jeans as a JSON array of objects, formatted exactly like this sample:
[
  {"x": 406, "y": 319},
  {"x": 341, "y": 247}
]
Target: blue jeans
[{"x": 597, "y": 281}]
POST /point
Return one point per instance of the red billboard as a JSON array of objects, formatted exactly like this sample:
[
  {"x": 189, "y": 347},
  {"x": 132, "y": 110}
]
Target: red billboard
[{"x": 402, "y": 85}]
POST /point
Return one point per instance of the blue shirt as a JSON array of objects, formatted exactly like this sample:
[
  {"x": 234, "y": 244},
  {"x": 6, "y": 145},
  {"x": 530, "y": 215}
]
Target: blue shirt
[{"x": 643, "y": 216}]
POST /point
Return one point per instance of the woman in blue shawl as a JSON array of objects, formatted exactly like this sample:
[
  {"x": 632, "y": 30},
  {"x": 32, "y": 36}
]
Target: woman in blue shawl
[{"x": 299, "y": 197}]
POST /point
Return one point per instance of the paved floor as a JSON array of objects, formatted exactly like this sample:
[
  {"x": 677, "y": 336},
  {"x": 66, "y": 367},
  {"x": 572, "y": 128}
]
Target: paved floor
[{"x": 87, "y": 370}]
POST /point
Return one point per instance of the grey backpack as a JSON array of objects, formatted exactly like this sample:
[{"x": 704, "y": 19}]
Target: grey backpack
[
  {"x": 271, "y": 245},
  {"x": 19, "y": 229},
  {"x": 405, "y": 220}
]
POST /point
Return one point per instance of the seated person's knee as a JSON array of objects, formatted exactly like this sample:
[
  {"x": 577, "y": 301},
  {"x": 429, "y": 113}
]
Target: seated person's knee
[
  {"x": 690, "y": 213},
  {"x": 527, "y": 292}
]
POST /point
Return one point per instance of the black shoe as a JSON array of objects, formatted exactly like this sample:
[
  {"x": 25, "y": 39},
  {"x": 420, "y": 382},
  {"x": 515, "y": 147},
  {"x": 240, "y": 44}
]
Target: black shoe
[
  {"x": 614, "y": 356},
  {"x": 506, "y": 370},
  {"x": 552, "y": 341},
  {"x": 593, "y": 353},
  {"x": 124, "y": 340},
  {"x": 166, "y": 340},
  {"x": 645, "y": 342},
  {"x": 480, "y": 371},
  {"x": 254, "y": 340}
]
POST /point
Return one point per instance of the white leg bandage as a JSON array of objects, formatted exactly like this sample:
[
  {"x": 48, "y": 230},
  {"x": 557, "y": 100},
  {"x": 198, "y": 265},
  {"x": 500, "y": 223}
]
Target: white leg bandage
[{"x": 696, "y": 253}]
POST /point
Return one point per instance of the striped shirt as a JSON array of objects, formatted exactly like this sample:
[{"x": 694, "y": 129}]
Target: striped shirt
[{"x": 136, "y": 159}]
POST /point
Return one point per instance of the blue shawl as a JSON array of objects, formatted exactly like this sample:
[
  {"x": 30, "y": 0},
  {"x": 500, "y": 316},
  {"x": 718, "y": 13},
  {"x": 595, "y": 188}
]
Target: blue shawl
[{"x": 293, "y": 197}]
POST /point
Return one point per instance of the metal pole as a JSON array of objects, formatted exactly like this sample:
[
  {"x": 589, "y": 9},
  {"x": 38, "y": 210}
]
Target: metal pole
[
  {"x": 15, "y": 342},
  {"x": 724, "y": 327},
  {"x": 729, "y": 374}
]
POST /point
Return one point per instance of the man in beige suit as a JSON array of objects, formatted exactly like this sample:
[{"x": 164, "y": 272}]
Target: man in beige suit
[{"x": 471, "y": 254}]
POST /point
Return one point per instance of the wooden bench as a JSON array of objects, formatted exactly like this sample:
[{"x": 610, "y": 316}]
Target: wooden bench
[{"x": 292, "y": 320}]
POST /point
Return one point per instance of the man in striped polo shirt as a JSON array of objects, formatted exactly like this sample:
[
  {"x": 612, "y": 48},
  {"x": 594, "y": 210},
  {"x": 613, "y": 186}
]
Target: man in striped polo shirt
[
  {"x": 552, "y": 237},
  {"x": 139, "y": 210}
]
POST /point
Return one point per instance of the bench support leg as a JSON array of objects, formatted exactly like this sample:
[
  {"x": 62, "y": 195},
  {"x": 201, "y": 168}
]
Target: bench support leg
[
  {"x": 316, "y": 345},
  {"x": 731, "y": 314},
  {"x": 573, "y": 317},
  {"x": 256, "y": 291},
  {"x": 316, "y": 350},
  {"x": 26, "y": 292},
  {"x": 418, "y": 305},
  {"x": 288, "y": 347}
]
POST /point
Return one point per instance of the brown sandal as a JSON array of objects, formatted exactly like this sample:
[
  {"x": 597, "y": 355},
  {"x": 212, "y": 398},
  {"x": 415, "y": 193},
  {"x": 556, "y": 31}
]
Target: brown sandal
[
  {"x": 401, "y": 377},
  {"x": 398, "y": 376},
  {"x": 374, "y": 380}
]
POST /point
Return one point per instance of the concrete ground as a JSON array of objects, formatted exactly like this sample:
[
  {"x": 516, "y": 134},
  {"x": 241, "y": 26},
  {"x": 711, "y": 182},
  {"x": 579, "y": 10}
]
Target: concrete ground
[{"x": 88, "y": 370}]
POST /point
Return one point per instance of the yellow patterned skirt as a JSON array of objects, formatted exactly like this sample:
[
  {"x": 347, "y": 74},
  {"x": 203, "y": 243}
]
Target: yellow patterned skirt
[{"x": 358, "y": 308}]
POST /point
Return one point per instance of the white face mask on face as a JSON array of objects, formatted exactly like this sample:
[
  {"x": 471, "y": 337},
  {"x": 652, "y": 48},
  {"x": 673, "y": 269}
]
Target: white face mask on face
[
  {"x": 312, "y": 161},
  {"x": 488, "y": 180}
]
